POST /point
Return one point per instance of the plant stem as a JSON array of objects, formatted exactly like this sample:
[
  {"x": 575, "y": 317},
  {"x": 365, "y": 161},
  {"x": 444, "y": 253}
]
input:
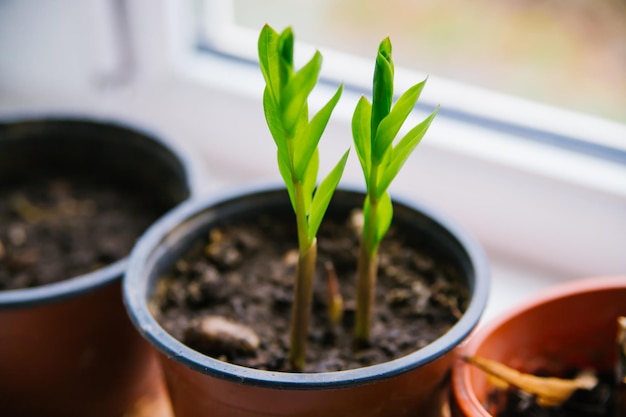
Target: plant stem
[
  {"x": 367, "y": 266},
  {"x": 303, "y": 295},
  {"x": 366, "y": 284},
  {"x": 303, "y": 286},
  {"x": 301, "y": 217}
]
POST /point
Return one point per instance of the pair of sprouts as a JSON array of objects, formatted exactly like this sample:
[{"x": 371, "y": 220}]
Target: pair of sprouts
[{"x": 296, "y": 133}]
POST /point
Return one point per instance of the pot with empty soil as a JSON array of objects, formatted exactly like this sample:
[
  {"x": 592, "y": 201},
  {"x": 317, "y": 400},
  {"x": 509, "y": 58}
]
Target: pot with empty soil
[
  {"x": 75, "y": 194},
  {"x": 570, "y": 332},
  {"x": 210, "y": 287}
]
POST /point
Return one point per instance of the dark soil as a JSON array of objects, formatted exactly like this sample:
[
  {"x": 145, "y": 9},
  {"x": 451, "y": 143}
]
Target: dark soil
[
  {"x": 599, "y": 402},
  {"x": 61, "y": 228},
  {"x": 243, "y": 273}
]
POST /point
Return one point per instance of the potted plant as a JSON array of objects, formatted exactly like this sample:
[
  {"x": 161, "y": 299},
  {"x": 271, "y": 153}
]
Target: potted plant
[
  {"x": 571, "y": 327},
  {"x": 75, "y": 192},
  {"x": 229, "y": 261}
]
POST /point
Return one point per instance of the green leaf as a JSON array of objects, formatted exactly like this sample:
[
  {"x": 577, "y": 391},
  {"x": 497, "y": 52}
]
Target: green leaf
[
  {"x": 402, "y": 151},
  {"x": 297, "y": 90},
  {"x": 269, "y": 60},
  {"x": 307, "y": 143},
  {"x": 384, "y": 49},
  {"x": 390, "y": 125},
  {"x": 384, "y": 163},
  {"x": 361, "y": 135},
  {"x": 323, "y": 194},
  {"x": 382, "y": 94},
  {"x": 284, "y": 166},
  {"x": 309, "y": 181},
  {"x": 285, "y": 52},
  {"x": 275, "y": 125},
  {"x": 384, "y": 216}
]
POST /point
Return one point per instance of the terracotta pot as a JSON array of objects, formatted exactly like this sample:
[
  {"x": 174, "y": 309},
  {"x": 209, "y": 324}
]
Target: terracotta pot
[
  {"x": 571, "y": 325},
  {"x": 68, "y": 349},
  {"x": 198, "y": 385}
]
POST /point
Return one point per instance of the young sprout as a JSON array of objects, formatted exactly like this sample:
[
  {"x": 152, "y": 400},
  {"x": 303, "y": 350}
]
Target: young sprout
[
  {"x": 374, "y": 128},
  {"x": 335, "y": 299},
  {"x": 296, "y": 137}
]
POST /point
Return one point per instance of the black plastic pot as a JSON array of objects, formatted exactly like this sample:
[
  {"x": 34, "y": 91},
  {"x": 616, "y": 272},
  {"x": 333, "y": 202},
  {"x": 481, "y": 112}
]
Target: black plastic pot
[
  {"x": 68, "y": 348},
  {"x": 199, "y": 385}
]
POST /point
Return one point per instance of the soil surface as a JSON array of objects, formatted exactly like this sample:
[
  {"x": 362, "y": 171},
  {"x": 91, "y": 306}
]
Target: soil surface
[
  {"x": 598, "y": 402},
  {"x": 238, "y": 283},
  {"x": 61, "y": 228}
]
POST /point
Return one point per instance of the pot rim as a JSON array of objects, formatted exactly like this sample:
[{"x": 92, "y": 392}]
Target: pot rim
[
  {"x": 84, "y": 283},
  {"x": 136, "y": 288},
  {"x": 467, "y": 399}
]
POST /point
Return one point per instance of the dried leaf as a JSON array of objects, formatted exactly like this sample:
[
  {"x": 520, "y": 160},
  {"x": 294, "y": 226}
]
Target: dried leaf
[{"x": 550, "y": 391}]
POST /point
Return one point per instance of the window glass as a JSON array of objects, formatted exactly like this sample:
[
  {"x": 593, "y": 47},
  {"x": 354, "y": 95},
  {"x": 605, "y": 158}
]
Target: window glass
[{"x": 567, "y": 53}]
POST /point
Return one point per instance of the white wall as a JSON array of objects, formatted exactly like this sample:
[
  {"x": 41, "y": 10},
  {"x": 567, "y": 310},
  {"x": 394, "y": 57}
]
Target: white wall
[{"x": 46, "y": 47}]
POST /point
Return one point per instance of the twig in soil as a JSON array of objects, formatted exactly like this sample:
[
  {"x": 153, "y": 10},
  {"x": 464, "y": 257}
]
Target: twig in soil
[
  {"x": 621, "y": 367},
  {"x": 550, "y": 391},
  {"x": 26, "y": 210},
  {"x": 335, "y": 300},
  {"x": 31, "y": 213}
]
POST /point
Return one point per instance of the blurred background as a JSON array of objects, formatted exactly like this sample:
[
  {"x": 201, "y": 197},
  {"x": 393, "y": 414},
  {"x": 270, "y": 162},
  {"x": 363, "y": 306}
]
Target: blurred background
[{"x": 568, "y": 53}]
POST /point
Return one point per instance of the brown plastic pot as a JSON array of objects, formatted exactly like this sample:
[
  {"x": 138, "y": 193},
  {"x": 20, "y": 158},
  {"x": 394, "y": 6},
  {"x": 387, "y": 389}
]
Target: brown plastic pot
[
  {"x": 68, "y": 349},
  {"x": 202, "y": 386},
  {"x": 570, "y": 325}
]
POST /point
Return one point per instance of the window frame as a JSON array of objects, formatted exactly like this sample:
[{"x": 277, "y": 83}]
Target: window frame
[{"x": 217, "y": 34}]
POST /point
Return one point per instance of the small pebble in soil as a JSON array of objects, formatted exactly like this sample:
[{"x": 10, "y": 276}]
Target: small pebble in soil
[
  {"x": 398, "y": 297},
  {"x": 219, "y": 336},
  {"x": 17, "y": 235},
  {"x": 223, "y": 251},
  {"x": 423, "y": 296}
]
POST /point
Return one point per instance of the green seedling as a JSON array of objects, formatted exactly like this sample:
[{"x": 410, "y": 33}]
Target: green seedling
[
  {"x": 285, "y": 102},
  {"x": 374, "y": 128}
]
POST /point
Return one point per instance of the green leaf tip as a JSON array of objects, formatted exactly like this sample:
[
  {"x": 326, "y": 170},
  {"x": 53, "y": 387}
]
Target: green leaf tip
[
  {"x": 313, "y": 133},
  {"x": 324, "y": 193},
  {"x": 382, "y": 90},
  {"x": 285, "y": 43},
  {"x": 385, "y": 48}
]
